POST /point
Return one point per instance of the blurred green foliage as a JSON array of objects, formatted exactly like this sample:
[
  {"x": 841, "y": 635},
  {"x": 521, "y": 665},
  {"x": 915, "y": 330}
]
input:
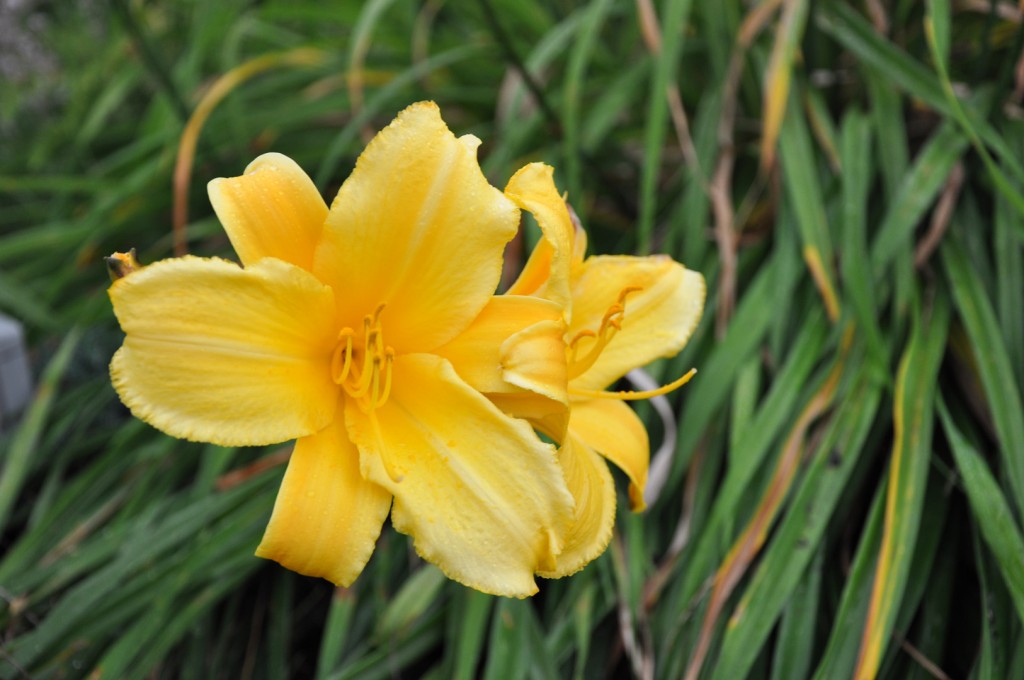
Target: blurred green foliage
[{"x": 848, "y": 480}]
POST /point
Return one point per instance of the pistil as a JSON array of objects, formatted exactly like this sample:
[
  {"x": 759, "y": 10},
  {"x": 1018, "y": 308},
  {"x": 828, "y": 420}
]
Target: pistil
[{"x": 630, "y": 395}]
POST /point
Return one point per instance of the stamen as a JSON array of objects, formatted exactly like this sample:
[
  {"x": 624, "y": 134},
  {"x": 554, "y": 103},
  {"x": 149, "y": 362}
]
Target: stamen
[
  {"x": 626, "y": 291},
  {"x": 577, "y": 365},
  {"x": 630, "y": 395},
  {"x": 613, "y": 317},
  {"x": 364, "y": 381},
  {"x": 574, "y": 344},
  {"x": 367, "y": 329},
  {"x": 389, "y": 360},
  {"x": 375, "y": 382},
  {"x": 376, "y": 324},
  {"x": 364, "y": 371},
  {"x": 342, "y": 354},
  {"x": 611, "y": 323}
]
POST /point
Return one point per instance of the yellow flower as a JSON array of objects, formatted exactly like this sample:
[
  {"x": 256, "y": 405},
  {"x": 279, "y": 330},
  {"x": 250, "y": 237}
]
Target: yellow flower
[
  {"x": 331, "y": 333},
  {"x": 622, "y": 313}
]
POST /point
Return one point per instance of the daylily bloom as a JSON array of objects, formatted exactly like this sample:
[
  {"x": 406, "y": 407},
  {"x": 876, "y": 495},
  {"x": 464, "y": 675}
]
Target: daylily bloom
[
  {"x": 622, "y": 313},
  {"x": 331, "y": 333}
]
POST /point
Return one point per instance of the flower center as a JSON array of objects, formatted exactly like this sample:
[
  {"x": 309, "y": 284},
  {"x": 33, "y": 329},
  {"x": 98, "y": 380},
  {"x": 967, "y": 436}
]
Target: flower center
[
  {"x": 363, "y": 365},
  {"x": 581, "y": 358}
]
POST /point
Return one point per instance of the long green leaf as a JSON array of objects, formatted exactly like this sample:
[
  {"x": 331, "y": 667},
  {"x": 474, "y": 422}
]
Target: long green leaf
[
  {"x": 912, "y": 416},
  {"x": 665, "y": 68},
  {"x": 788, "y": 555},
  {"x": 16, "y": 459},
  {"x": 992, "y": 512},
  {"x": 997, "y": 376}
]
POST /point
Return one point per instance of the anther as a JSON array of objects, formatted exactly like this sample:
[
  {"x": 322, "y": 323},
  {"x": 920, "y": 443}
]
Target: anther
[
  {"x": 624, "y": 293},
  {"x": 613, "y": 316},
  {"x": 367, "y": 326}
]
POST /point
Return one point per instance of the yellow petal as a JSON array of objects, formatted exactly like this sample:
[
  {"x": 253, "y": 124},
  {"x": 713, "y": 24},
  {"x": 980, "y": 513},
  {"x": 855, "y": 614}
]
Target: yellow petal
[
  {"x": 593, "y": 490},
  {"x": 532, "y": 280},
  {"x": 273, "y": 210},
  {"x": 658, "y": 320},
  {"x": 547, "y": 415},
  {"x": 481, "y": 495},
  {"x": 612, "y": 429},
  {"x": 579, "y": 247},
  {"x": 534, "y": 359},
  {"x": 517, "y": 342},
  {"x": 416, "y": 226},
  {"x": 226, "y": 355},
  {"x": 327, "y": 518},
  {"x": 546, "y": 273}
]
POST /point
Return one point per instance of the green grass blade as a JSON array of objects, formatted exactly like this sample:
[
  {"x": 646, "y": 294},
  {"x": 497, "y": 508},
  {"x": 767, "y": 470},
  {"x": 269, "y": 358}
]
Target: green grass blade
[
  {"x": 411, "y": 602},
  {"x": 509, "y": 644},
  {"x": 993, "y": 362},
  {"x": 854, "y": 32},
  {"x": 754, "y": 315},
  {"x": 802, "y": 530},
  {"x": 575, "y": 85},
  {"x": 936, "y": 26},
  {"x": 795, "y": 644},
  {"x": 469, "y": 628},
  {"x": 751, "y": 450},
  {"x": 1009, "y": 265},
  {"x": 858, "y": 284},
  {"x": 800, "y": 175},
  {"x": 992, "y": 512},
  {"x": 666, "y": 63},
  {"x": 841, "y": 650},
  {"x": 336, "y": 631},
  {"x": 17, "y": 458},
  {"x": 913, "y": 414},
  {"x": 779, "y": 73},
  {"x": 996, "y": 614},
  {"x": 916, "y": 194}
]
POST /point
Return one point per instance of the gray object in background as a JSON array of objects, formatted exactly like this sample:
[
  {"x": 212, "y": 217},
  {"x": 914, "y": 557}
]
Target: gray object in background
[{"x": 15, "y": 381}]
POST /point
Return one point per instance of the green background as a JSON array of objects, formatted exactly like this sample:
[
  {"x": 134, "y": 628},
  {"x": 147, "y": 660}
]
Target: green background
[{"x": 848, "y": 478}]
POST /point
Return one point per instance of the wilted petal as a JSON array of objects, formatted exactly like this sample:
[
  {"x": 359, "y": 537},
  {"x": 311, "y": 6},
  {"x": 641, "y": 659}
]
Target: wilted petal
[
  {"x": 481, "y": 495},
  {"x": 593, "y": 490},
  {"x": 418, "y": 227},
  {"x": 546, "y": 273},
  {"x": 273, "y": 210},
  {"x": 327, "y": 518},
  {"x": 659, "y": 317},
  {"x": 612, "y": 429},
  {"x": 226, "y": 355}
]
